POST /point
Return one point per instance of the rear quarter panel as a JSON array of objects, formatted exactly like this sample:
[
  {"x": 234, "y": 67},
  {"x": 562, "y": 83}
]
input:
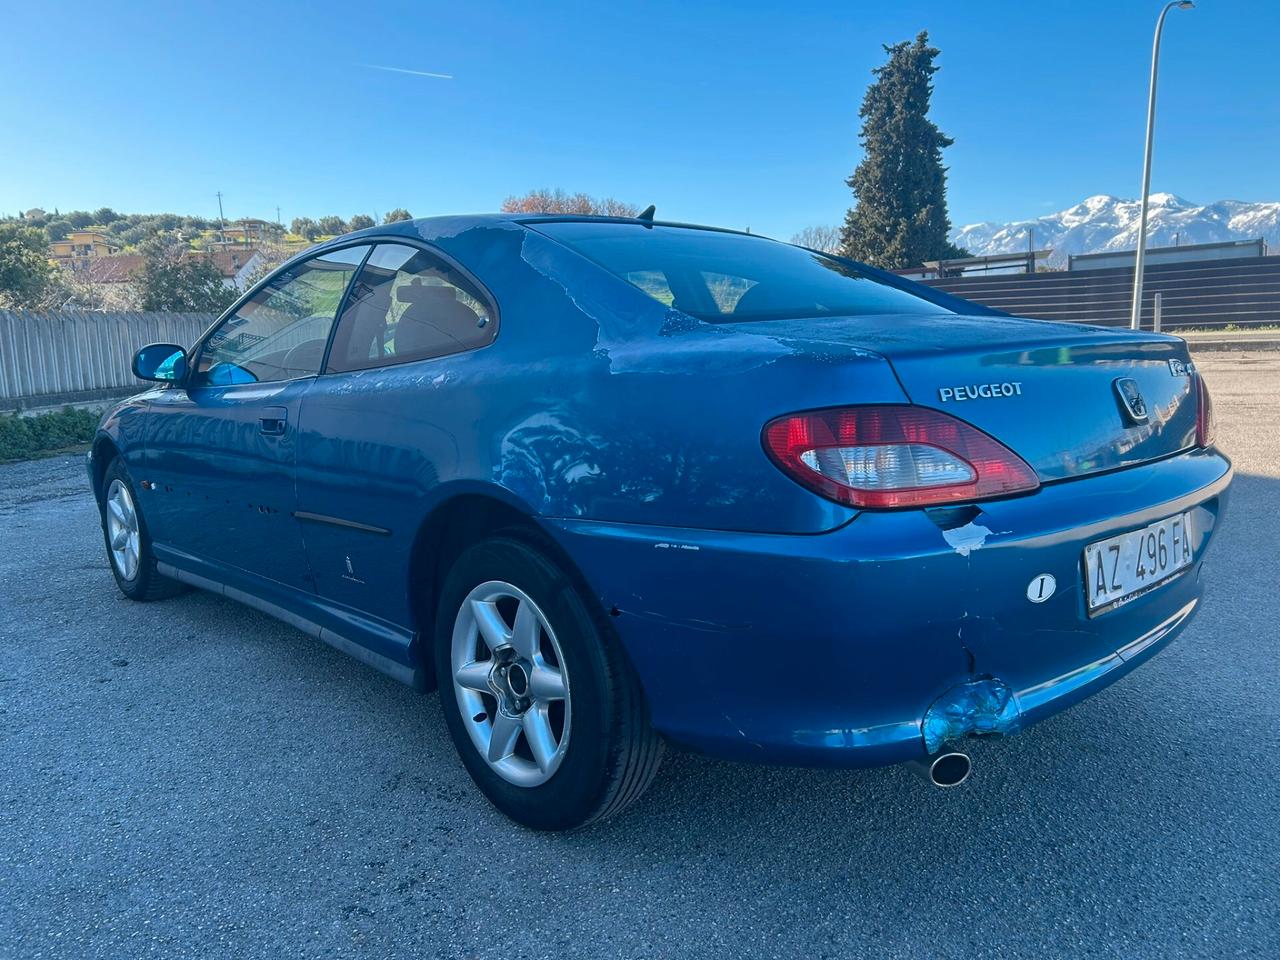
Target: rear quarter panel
[{"x": 594, "y": 402}]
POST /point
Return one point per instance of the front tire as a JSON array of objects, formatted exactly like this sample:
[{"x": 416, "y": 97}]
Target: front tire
[
  {"x": 128, "y": 542},
  {"x": 545, "y": 711}
]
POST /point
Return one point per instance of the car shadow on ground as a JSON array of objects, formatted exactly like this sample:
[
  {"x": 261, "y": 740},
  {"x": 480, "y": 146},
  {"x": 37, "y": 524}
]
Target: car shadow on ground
[{"x": 1104, "y": 758}]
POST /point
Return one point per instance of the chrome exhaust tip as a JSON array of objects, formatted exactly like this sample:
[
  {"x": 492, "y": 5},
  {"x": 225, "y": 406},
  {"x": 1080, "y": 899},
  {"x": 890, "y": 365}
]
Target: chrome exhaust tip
[{"x": 947, "y": 768}]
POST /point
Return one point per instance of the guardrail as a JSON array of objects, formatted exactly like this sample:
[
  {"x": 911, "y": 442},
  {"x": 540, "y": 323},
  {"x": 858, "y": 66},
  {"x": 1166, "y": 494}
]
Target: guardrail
[
  {"x": 63, "y": 356},
  {"x": 1200, "y": 293}
]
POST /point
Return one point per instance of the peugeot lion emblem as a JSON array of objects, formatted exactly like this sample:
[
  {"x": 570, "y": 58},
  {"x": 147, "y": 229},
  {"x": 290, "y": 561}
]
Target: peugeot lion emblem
[{"x": 1131, "y": 399}]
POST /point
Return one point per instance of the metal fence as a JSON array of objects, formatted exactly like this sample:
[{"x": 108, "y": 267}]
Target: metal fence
[
  {"x": 1205, "y": 293},
  {"x": 67, "y": 355}
]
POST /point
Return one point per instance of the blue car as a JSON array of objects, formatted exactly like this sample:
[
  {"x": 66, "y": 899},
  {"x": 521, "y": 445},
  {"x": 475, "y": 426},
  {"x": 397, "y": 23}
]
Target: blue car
[{"x": 614, "y": 484}]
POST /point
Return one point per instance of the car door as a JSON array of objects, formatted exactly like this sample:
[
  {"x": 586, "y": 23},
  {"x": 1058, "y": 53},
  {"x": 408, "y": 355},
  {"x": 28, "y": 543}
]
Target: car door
[
  {"x": 375, "y": 436},
  {"x": 221, "y": 447}
]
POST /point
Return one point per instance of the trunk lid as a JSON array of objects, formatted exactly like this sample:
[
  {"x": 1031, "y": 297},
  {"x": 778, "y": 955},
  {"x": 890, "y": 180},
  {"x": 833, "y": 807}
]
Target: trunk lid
[{"x": 1069, "y": 399}]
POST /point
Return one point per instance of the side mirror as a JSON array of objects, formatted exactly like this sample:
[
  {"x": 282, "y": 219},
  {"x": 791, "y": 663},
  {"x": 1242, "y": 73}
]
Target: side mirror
[{"x": 162, "y": 362}]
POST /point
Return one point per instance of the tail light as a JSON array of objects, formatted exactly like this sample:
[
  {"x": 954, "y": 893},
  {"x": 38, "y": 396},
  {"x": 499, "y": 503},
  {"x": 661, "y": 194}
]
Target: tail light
[
  {"x": 894, "y": 456},
  {"x": 1206, "y": 423}
]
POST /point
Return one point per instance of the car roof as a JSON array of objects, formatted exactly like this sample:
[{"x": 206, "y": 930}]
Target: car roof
[{"x": 466, "y": 221}]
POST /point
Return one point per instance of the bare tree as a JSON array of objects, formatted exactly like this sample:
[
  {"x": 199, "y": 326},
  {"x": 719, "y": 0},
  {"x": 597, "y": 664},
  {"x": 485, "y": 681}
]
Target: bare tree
[
  {"x": 557, "y": 201},
  {"x": 826, "y": 239},
  {"x": 91, "y": 291}
]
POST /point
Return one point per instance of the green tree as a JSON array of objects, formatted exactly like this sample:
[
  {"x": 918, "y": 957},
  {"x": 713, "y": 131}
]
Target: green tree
[
  {"x": 305, "y": 227},
  {"x": 26, "y": 275},
  {"x": 332, "y": 226},
  {"x": 361, "y": 221},
  {"x": 900, "y": 219},
  {"x": 174, "y": 279},
  {"x": 399, "y": 213}
]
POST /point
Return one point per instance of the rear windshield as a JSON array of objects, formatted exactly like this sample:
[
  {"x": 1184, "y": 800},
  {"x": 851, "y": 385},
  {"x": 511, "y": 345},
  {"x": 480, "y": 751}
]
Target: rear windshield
[{"x": 729, "y": 277}]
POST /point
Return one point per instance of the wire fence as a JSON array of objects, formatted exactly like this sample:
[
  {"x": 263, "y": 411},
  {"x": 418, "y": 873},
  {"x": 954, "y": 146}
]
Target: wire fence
[{"x": 68, "y": 355}]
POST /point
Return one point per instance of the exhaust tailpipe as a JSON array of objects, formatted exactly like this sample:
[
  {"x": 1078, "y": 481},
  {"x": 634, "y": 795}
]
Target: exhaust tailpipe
[{"x": 947, "y": 768}]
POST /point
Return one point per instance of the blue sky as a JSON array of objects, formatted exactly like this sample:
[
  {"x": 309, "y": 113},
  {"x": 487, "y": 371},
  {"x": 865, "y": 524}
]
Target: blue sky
[{"x": 740, "y": 114}]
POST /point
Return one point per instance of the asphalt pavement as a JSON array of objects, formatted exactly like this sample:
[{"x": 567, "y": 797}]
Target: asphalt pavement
[{"x": 193, "y": 779}]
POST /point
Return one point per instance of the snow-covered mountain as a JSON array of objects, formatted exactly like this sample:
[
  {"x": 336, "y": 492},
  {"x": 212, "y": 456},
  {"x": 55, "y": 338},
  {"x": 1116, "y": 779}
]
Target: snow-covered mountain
[{"x": 1109, "y": 223}]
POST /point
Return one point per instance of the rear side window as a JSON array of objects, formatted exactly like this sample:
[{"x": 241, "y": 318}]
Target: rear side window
[
  {"x": 653, "y": 283},
  {"x": 726, "y": 277},
  {"x": 407, "y": 304}
]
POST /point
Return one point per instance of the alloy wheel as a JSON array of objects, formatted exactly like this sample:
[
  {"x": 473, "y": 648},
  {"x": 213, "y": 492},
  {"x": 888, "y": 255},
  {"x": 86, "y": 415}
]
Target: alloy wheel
[
  {"x": 122, "y": 529},
  {"x": 510, "y": 682}
]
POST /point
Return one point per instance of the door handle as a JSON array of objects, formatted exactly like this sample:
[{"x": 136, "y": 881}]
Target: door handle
[{"x": 273, "y": 421}]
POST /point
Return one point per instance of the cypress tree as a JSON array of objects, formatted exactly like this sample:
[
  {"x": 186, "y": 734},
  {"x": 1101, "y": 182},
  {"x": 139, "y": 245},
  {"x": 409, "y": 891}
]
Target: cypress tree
[{"x": 900, "y": 219}]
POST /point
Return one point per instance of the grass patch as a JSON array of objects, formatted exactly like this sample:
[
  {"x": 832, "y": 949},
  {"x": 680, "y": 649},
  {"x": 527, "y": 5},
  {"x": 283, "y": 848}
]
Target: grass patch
[
  {"x": 1228, "y": 328},
  {"x": 24, "y": 438}
]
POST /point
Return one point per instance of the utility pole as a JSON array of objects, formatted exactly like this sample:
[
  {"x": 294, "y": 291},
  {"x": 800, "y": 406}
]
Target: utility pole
[
  {"x": 1031, "y": 249},
  {"x": 222, "y": 221}
]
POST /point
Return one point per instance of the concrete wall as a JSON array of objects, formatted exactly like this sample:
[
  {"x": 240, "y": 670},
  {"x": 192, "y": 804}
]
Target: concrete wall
[{"x": 69, "y": 355}]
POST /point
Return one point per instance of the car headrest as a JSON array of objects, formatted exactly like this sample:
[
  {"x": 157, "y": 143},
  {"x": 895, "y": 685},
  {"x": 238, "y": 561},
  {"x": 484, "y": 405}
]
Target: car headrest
[
  {"x": 759, "y": 297},
  {"x": 417, "y": 292},
  {"x": 436, "y": 321}
]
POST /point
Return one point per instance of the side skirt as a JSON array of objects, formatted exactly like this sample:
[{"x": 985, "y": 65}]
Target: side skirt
[{"x": 356, "y": 624}]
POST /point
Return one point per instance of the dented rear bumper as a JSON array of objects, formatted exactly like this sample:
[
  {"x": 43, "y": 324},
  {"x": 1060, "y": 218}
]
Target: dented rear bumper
[{"x": 873, "y": 643}]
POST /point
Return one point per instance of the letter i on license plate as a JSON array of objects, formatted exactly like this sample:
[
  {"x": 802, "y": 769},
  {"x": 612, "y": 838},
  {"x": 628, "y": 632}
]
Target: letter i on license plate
[{"x": 1119, "y": 568}]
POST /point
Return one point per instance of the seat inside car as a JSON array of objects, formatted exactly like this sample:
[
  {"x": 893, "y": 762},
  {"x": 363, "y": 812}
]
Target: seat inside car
[
  {"x": 435, "y": 321},
  {"x": 758, "y": 299}
]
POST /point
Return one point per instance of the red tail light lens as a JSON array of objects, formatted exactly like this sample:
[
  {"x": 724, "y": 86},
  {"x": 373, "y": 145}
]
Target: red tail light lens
[
  {"x": 894, "y": 456},
  {"x": 1206, "y": 424}
]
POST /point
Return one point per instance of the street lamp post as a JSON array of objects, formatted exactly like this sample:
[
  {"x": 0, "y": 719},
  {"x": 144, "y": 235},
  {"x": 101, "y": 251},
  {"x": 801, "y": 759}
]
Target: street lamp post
[{"x": 1146, "y": 162}]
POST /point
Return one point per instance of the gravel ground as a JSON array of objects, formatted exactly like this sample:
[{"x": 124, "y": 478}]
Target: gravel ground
[{"x": 190, "y": 778}]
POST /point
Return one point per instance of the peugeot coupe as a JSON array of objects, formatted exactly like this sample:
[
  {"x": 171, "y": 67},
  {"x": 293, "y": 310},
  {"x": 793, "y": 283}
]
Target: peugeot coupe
[{"x": 614, "y": 484}]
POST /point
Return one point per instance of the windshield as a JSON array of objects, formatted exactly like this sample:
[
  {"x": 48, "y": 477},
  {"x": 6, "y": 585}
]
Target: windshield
[{"x": 729, "y": 277}]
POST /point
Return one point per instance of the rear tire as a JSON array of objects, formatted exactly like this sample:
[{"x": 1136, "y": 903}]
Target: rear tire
[
  {"x": 546, "y": 690},
  {"x": 124, "y": 531}
]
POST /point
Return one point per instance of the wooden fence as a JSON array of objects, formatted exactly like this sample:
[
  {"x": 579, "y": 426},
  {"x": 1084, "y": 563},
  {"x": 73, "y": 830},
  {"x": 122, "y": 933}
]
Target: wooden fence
[
  {"x": 68, "y": 355},
  {"x": 1203, "y": 293}
]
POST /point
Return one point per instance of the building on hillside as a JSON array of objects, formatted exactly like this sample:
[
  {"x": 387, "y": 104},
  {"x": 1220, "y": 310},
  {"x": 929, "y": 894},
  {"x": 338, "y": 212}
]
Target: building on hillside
[
  {"x": 1227, "y": 250},
  {"x": 237, "y": 265},
  {"x": 117, "y": 268},
  {"x": 249, "y": 231},
  {"x": 999, "y": 263},
  {"x": 80, "y": 247}
]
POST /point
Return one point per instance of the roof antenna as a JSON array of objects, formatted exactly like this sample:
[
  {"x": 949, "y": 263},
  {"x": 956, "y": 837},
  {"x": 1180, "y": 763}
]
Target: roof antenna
[{"x": 647, "y": 213}]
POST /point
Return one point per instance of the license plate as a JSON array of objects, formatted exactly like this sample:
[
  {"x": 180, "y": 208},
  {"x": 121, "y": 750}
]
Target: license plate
[{"x": 1119, "y": 568}]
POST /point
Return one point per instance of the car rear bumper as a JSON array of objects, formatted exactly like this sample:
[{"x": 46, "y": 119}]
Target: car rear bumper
[{"x": 849, "y": 648}]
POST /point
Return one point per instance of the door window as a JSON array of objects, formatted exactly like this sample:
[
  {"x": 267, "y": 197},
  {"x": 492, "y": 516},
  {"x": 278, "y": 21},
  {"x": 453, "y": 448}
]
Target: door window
[
  {"x": 409, "y": 304},
  {"x": 280, "y": 333}
]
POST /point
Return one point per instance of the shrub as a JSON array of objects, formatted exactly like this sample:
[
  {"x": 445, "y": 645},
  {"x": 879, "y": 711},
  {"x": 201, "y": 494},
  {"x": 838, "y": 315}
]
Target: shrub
[{"x": 25, "y": 437}]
